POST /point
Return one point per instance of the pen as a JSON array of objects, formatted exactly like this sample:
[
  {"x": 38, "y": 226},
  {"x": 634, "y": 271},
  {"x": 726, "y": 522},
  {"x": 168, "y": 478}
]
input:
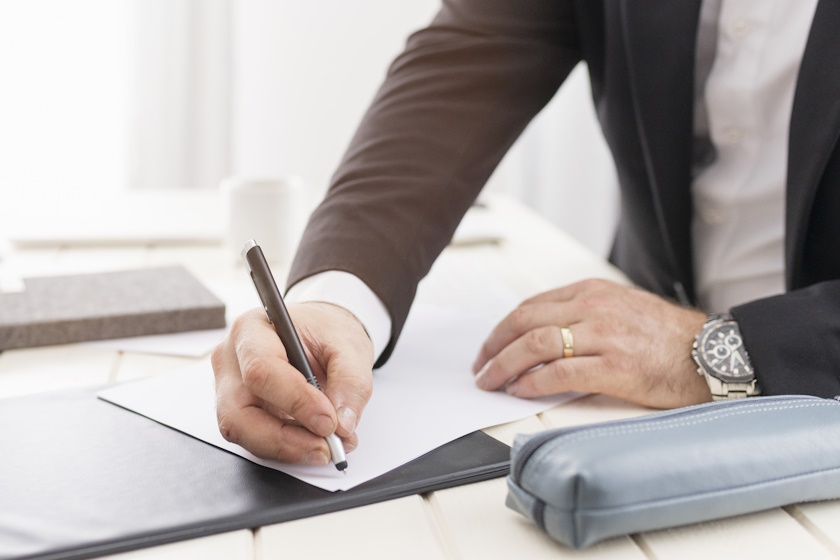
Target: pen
[{"x": 275, "y": 311}]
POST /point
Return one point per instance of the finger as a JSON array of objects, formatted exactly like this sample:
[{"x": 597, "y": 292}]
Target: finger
[
  {"x": 269, "y": 437},
  {"x": 267, "y": 374},
  {"x": 524, "y": 318},
  {"x": 350, "y": 443},
  {"x": 572, "y": 291},
  {"x": 349, "y": 386},
  {"x": 230, "y": 392},
  {"x": 241, "y": 421},
  {"x": 536, "y": 347},
  {"x": 586, "y": 374}
]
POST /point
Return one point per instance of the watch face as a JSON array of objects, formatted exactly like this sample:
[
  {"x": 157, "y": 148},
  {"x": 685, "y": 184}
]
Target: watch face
[{"x": 721, "y": 351}]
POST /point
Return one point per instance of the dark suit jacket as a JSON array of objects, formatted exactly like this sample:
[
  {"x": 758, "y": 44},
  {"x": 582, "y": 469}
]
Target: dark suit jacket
[{"x": 465, "y": 88}]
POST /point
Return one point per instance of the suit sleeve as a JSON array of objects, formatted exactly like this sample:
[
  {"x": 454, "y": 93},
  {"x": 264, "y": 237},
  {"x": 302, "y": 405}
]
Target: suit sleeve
[
  {"x": 450, "y": 107},
  {"x": 792, "y": 340}
]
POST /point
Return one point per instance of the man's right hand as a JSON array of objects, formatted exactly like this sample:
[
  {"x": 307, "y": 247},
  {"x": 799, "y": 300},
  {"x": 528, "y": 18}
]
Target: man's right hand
[{"x": 266, "y": 406}]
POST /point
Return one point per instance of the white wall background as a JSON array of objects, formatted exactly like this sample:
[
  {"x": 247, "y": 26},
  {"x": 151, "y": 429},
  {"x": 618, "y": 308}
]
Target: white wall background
[
  {"x": 98, "y": 96},
  {"x": 63, "y": 86},
  {"x": 304, "y": 73}
]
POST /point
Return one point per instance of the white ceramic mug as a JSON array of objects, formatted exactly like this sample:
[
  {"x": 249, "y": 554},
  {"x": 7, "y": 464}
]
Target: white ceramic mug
[{"x": 269, "y": 210}]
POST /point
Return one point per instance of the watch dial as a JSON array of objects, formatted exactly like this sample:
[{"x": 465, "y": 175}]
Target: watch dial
[{"x": 722, "y": 350}]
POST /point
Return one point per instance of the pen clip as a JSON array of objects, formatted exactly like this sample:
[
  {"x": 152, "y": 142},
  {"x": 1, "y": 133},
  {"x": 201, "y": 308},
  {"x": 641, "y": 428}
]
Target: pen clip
[
  {"x": 262, "y": 301},
  {"x": 250, "y": 244}
]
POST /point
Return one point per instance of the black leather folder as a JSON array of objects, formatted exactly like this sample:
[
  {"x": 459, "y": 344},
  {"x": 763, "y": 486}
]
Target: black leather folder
[{"x": 81, "y": 478}]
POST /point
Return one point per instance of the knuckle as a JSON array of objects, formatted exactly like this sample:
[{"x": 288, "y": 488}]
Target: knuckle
[
  {"x": 217, "y": 357},
  {"x": 618, "y": 363},
  {"x": 518, "y": 318},
  {"x": 364, "y": 387},
  {"x": 534, "y": 342},
  {"x": 238, "y": 326},
  {"x": 255, "y": 374},
  {"x": 561, "y": 375},
  {"x": 280, "y": 450},
  {"x": 590, "y": 284},
  {"x": 595, "y": 301},
  {"x": 541, "y": 340},
  {"x": 596, "y": 290},
  {"x": 297, "y": 403},
  {"x": 556, "y": 373},
  {"x": 598, "y": 284},
  {"x": 601, "y": 329},
  {"x": 228, "y": 428}
]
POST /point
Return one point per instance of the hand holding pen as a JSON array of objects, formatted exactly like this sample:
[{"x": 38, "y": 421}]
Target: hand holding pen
[{"x": 265, "y": 403}]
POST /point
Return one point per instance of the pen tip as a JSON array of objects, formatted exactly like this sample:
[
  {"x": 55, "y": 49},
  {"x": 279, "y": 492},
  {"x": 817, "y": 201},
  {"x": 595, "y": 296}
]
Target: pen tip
[
  {"x": 341, "y": 466},
  {"x": 344, "y": 472}
]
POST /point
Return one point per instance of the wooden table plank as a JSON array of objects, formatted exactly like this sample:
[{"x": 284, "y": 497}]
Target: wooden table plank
[
  {"x": 767, "y": 535},
  {"x": 822, "y": 520},
  {"x": 477, "y": 525},
  {"x": 396, "y": 529},
  {"x": 590, "y": 409},
  {"x": 465, "y": 522},
  {"x": 238, "y": 545},
  {"x": 507, "y": 432}
]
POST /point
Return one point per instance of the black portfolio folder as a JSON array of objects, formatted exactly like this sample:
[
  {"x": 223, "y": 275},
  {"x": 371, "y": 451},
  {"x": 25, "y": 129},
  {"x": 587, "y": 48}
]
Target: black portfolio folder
[{"x": 81, "y": 478}]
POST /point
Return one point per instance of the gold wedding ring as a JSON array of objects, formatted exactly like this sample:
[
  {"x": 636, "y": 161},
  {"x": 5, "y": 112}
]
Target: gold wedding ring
[{"x": 568, "y": 342}]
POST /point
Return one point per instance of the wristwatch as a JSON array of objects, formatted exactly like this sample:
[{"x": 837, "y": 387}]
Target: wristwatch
[{"x": 721, "y": 357}]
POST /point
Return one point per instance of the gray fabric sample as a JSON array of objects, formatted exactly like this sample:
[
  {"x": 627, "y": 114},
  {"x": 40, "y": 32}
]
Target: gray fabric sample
[{"x": 64, "y": 309}]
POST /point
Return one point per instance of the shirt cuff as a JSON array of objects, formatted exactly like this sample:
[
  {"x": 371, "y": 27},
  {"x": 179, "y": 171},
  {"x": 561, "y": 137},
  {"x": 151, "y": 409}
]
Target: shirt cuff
[{"x": 348, "y": 291}]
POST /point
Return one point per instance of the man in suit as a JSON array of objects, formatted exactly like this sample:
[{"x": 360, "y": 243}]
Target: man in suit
[{"x": 723, "y": 118}]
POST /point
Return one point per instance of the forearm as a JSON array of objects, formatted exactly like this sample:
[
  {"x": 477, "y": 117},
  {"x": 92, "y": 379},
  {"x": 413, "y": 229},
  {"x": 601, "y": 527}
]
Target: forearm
[{"x": 450, "y": 107}]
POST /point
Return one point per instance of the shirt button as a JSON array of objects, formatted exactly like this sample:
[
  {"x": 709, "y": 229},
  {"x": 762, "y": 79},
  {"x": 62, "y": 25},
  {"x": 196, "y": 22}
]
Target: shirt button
[
  {"x": 733, "y": 134},
  {"x": 712, "y": 215},
  {"x": 740, "y": 29}
]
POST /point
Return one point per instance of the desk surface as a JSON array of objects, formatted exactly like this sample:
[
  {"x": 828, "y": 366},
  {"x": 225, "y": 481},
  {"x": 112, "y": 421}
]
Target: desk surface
[{"x": 460, "y": 523}]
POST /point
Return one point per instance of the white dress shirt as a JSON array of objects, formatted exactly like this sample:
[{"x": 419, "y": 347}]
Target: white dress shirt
[
  {"x": 738, "y": 193},
  {"x": 738, "y": 228}
]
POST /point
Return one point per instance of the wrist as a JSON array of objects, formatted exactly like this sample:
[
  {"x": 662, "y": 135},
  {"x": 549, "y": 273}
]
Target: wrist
[
  {"x": 330, "y": 306},
  {"x": 350, "y": 293},
  {"x": 339, "y": 317}
]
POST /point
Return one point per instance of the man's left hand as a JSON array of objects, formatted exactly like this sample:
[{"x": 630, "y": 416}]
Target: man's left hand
[{"x": 628, "y": 343}]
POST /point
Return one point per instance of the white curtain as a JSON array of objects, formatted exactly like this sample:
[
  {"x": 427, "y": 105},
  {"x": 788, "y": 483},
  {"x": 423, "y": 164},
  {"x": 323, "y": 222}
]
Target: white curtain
[{"x": 179, "y": 95}]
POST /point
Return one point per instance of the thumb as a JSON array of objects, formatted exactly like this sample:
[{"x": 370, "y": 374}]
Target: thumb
[
  {"x": 349, "y": 386},
  {"x": 343, "y": 349}
]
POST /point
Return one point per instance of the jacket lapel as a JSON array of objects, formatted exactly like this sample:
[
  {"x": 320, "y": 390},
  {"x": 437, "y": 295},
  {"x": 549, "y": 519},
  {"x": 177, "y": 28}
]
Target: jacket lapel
[
  {"x": 814, "y": 129},
  {"x": 660, "y": 37}
]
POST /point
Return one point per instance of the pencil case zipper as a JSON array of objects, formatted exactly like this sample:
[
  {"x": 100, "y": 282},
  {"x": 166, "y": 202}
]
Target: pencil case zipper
[{"x": 535, "y": 443}]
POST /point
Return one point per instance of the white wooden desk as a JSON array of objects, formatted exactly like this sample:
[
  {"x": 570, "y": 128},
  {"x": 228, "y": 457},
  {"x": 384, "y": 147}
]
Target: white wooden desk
[{"x": 469, "y": 522}]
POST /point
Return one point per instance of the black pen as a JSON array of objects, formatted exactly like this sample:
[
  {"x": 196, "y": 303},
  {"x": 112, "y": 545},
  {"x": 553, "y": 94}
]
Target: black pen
[{"x": 275, "y": 311}]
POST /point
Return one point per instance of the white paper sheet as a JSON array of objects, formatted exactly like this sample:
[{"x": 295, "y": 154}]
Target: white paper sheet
[
  {"x": 480, "y": 226},
  {"x": 423, "y": 398}
]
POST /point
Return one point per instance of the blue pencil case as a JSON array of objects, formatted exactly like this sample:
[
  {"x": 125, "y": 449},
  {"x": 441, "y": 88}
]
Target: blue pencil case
[{"x": 584, "y": 484}]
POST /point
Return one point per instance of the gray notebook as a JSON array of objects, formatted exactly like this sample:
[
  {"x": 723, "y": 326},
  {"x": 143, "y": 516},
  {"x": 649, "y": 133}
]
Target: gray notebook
[{"x": 64, "y": 309}]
